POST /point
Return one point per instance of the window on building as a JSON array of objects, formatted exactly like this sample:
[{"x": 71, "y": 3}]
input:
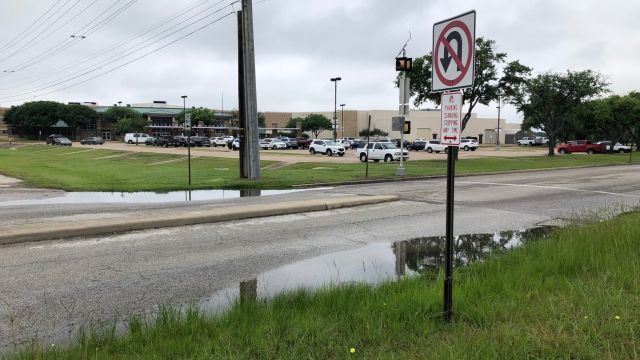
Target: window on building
[
  {"x": 91, "y": 126},
  {"x": 106, "y": 135}
]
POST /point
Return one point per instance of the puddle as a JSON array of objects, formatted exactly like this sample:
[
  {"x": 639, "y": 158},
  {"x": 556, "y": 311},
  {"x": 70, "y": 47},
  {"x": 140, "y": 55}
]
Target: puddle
[
  {"x": 144, "y": 197},
  {"x": 371, "y": 264}
]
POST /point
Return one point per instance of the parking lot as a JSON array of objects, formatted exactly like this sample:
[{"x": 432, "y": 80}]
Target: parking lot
[{"x": 296, "y": 156}]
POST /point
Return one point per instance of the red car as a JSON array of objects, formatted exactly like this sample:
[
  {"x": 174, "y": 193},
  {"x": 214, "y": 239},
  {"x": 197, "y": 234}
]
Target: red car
[{"x": 580, "y": 146}]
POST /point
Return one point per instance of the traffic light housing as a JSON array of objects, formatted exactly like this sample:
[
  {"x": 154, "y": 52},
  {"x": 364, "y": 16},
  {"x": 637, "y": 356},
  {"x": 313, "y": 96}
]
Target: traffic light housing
[
  {"x": 404, "y": 64},
  {"x": 407, "y": 127}
]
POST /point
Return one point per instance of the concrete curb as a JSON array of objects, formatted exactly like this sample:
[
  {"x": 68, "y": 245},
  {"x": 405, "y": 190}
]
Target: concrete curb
[
  {"x": 50, "y": 230},
  {"x": 434, "y": 177}
]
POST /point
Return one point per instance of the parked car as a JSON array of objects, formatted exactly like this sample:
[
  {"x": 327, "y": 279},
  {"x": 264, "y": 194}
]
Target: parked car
[
  {"x": 345, "y": 143},
  {"x": 290, "y": 142},
  {"x": 272, "y": 143},
  {"x": 181, "y": 140},
  {"x": 166, "y": 141},
  {"x": 221, "y": 141},
  {"x": 51, "y": 138},
  {"x": 540, "y": 140},
  {"x": 435, "y": 146},
  {"x": 397, "y": 142},
  {"x": 528, "y": 141},
  {"x": 150, "y": 141},
  {"x": 327, "y": 147},
  {"x": 581, "y": 146},
  {"x": 92, "y": 141},
  {"x": 303, "y": 143},
  {"x": 356, "y": 144},
  {"x": 135, "y": 138},
  {"x": 62, "y": 141},
  {"x": 200, "y": 141},
  {"x": 468, "y": 144},
  {"x": 617, "y": 147},
  {"x": 235, "y": 144},
  {"x": 416, "y": 146},
  {"x": 377, "y": 151}
]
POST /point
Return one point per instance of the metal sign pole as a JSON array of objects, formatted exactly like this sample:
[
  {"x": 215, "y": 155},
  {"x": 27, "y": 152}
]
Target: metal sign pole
[
  {"x": 366, "y": 174},
  {"x": 448, "y": 259}
]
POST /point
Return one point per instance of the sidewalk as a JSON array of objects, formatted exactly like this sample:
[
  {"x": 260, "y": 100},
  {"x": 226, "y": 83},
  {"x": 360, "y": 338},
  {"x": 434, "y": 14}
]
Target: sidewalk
[{"x": 107, "y": 223}]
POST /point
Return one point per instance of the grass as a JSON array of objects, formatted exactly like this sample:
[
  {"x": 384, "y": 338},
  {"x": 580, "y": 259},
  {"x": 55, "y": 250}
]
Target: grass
[
  {"x": 574, "y": 295},
  {"x": 78, "y": 169}
]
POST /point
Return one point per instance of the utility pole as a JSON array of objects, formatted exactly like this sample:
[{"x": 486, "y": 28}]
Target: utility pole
[
  {"x": 242, "y": 123},
  {"x": 335, "y": 107},
  {"x": 342, "y": 120},
  {"x": 403, "y": 64},
  {"x": 498, "y": 128},
  {"x": 248, "y": 92},
  {"x": 188, "y": 125}
]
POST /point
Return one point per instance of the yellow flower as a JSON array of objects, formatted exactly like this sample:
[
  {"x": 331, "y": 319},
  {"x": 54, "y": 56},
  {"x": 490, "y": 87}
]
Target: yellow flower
[
  {"x": 352, "y": 350},
  {"x": 617, "y": 317}
]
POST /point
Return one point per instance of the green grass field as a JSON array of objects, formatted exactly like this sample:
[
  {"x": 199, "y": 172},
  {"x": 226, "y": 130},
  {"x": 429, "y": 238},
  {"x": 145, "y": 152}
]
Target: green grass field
[
  {"x": 574, "y": 295},
  {"x": 84, "y": 169}
]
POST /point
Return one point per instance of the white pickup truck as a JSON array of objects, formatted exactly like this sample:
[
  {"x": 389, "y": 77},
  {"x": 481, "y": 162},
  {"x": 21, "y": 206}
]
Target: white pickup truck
[{"x": 528, "y": 141}]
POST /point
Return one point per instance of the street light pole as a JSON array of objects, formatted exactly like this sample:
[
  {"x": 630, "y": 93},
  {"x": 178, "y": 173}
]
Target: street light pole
[
  {"x": 498, "y": 128},
  {"x": 335, "y": 106},
  {"x": 342, "y": 120},
  {"x": 184, "y": 112}
]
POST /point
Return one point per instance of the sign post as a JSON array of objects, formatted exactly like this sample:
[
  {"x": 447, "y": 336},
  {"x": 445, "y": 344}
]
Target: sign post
[
  {"x": 453, "y": 67},
  {"x": 187, "y": 124}
]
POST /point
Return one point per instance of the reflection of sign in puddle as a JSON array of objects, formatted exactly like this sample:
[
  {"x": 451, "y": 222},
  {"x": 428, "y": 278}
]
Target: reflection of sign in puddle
[{"x": 372, "y": 264}]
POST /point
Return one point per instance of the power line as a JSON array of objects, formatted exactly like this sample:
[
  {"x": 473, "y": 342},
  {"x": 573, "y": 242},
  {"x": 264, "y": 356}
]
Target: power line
[
  {"x": 28, "y": 44},
  {"x": 58, "y": 45},
  {"x": 162, "y": 22},
  {"x": 124, "y": 64},
  {"x": 15, "y": 39},
  {"x": 98, "y": 66},
  {"x": 232, "y": 12}
]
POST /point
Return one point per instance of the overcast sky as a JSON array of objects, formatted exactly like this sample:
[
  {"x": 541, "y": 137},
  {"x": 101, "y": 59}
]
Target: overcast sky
[{"x": 300, "y": 45}]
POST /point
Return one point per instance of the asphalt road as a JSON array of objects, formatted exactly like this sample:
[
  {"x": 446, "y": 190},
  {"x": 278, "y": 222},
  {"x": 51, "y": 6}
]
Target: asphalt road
[{"x": 49, "y": 288}]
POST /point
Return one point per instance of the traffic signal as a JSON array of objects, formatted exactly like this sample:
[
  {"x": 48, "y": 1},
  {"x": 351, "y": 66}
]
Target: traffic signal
[
  {"x": 407, "y": 127},
  {"x": 404, "y": 64}
]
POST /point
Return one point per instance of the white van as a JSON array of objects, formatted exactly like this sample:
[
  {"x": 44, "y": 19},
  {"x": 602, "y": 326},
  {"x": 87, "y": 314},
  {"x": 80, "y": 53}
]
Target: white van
[{"x": 132, "y": 138}]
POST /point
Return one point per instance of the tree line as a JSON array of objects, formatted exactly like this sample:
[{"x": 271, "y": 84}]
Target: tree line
[{"x": 564, "y": 105}]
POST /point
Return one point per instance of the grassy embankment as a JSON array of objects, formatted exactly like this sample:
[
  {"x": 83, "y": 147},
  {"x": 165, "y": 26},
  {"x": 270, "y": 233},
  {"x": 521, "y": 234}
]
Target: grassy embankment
[
  {"x": 84, "y": 169},
  {"x": 574, "y": 295}
]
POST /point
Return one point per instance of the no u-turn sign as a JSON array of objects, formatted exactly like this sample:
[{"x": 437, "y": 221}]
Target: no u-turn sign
[{"x": 453, "y": 56}]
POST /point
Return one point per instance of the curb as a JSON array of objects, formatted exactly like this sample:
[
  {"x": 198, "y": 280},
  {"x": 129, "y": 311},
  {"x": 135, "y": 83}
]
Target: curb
[
  {"x": 434, "y": 177},
  {"x": 51, "y": 231}
]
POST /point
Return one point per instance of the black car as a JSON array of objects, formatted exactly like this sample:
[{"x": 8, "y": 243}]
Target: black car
[
  {"x": 165, "y": 141},
  {"x": 397, "y": 142},
  {"x": 417, "y": 146},
  {"x": 181, "y": 140},
  {"x": 356, "y": 144},
  {"x": 92, "y": 141},
  {"x": 200, "y": 141}
]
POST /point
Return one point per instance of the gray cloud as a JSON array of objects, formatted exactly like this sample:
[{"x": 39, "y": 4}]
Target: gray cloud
[{"x": 301, "y": 44}]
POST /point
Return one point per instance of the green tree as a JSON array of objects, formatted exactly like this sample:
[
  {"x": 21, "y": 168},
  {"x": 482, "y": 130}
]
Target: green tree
[
  {"x": 35, "y": 116},
  {"x": 548, "y": 100},
  {"x": 316, "y": 123},
  {"x": 205, "y": 115},
  {"x": 488, "y": 83},
  {"x": 374, "y": 132},
  {"x": 612, "y": 118},
  {"x": 261, "y": 120},
  {"x": 78, "y": 115},
  {"x": 130, "y": 125},
  {"x": 116, "y": 113}
]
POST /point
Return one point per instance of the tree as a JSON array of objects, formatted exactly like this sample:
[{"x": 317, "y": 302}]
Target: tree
[
  {"x": 261, "y": 120},
  {"x": 488, "y": 85},
  {"x": 35, "y": 116},
  {"x": 547, "y": 100},
  {"x": 374, "y": 132},
  {"x": 316, "y": 123},
  {"x": 205, "y": 115},
  {"x": 130, "y": 125},
  {"x": 78, "y": 115},
  {"x": 116, "y": 113},
  {"x": 293, "y": 122},
  {"x": 612, "y": 118}
]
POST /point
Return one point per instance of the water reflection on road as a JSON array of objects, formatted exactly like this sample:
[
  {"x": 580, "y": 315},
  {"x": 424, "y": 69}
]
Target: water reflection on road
[{"x": 371, "y": 264}]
